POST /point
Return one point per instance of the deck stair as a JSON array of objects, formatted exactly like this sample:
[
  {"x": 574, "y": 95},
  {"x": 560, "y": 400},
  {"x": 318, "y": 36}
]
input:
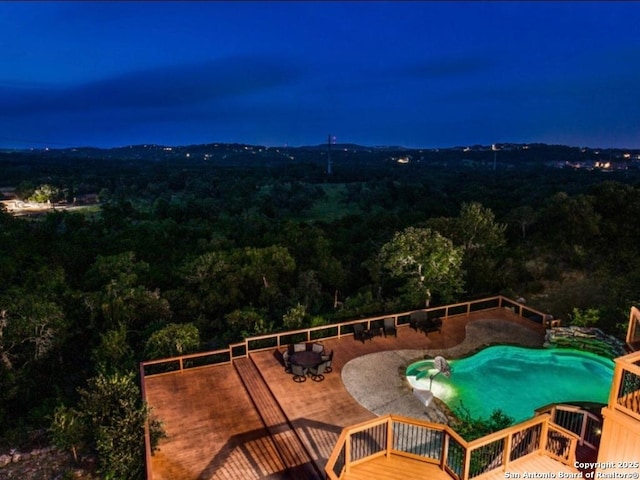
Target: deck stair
[{"x": 292, "y": 451}]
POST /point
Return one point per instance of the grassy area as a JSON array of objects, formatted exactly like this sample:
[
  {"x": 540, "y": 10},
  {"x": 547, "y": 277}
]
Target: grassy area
[
  {"x": 333, "y": 206},
  {"x": 37, "y": 214}
]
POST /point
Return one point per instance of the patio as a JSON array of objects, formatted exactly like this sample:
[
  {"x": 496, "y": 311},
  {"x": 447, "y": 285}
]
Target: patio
[{"x": 250, "y": 420}]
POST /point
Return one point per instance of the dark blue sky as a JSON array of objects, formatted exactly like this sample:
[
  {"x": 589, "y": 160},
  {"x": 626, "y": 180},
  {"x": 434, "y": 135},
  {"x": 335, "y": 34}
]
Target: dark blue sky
[{"x": 418, "y": 74}]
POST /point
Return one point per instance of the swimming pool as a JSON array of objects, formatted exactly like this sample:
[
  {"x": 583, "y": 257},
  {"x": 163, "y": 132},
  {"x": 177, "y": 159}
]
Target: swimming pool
[{"x": 517, "y": 380}]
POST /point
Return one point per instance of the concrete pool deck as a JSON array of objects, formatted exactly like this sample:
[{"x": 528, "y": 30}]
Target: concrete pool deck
[{"x": 377, "y": 381}]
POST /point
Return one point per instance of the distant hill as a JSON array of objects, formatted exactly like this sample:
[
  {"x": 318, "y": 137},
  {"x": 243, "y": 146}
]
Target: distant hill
[{"x": 505, "y": 155}]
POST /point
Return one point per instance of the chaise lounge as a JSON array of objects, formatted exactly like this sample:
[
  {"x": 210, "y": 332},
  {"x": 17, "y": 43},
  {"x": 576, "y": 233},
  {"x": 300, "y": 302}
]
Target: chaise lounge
[
  {"x": 421, "y": 321},
  {"x": 389, "y": 327},
  {"x": 359, "y": 333}
]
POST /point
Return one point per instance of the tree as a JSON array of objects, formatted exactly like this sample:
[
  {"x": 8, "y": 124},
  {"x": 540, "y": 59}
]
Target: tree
[
  {"x": 312, "y": 250},
  {"x": 172, "y": 340},
  {"x": 115, "y": 416},
  {"x": 572, "y": 223},
  {"x": 585, "y": 318},
  {"x": 45, "y": 193},
  {"x": 30, "y": 327},
  {"x": 25, "y": 189},
  {"x": 480, "y": 236},
  {"x": 476, "y": 229},
  {"x": 227, "y": 280},
  {"x": 68, "y": 430},
  {"x": 309, "y": 290},
  {"x": 427, "y": 264},
  {"x": 121, "y": 299},
  {"x": 471, "y": 428},
  {"x": 295, "y": 318},
  {"x": 114, "y": 353},
  {"x": 245, "y": 322},
  {"x": 483, "y": 238},
  {"x": 523, "y": 216}
]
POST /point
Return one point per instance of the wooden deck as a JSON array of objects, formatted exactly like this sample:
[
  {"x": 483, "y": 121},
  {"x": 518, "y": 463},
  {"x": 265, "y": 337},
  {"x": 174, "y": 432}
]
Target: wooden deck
[
  {"x": 400, "y": 468},
  {"x": 395, "y": 468},
  {"x": 531, "y": 464},
  {"x": 274, "y": 428}
]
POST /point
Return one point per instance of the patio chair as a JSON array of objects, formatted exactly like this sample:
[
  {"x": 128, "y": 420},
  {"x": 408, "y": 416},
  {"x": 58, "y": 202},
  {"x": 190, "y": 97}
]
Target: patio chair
[
  {"x": 360, "y": 333},
  {"x": 317, "y": 372},
  {"x": 390, "y": 327},
  {"x": 299, "y": 347},
  {"x": 328, "y": 359},
  {"x": 317, "y": 347},
  {"x": 287, "y": 363},
  {"x": 299, "y": 373},
  {"x": 280, "y": 357}
]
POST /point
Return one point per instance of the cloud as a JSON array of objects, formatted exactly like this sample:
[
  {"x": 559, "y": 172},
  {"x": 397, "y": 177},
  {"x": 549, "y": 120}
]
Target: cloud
[{"x": 156, "y": 88}]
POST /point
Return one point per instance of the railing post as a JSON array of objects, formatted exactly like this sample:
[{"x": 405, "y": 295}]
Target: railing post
[
  {"x": 347, "y": 453},
  {"x": 583, "y": 429},
  {"x": 445, "y": 450},
  {"x": 615, "y": 383},
  {"x": 389, "y": 437},
  {"x": 508, "y": 442},
  {"x": 544, "y": 433},
  {"x": 181, "y": 365},
  {"x": 147, "y": 432},
  {"x": 467, "y": 464},
  {"x": 468, "y": 308}
]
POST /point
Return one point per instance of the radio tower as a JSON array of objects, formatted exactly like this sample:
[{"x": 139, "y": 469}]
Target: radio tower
[
  {"x": 495, "y": 153},
  {"x": 329, "y": 154}
]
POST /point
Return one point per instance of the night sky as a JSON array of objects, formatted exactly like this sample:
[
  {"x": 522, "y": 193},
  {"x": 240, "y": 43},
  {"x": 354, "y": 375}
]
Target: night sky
[{"x": 417, "y": 74}]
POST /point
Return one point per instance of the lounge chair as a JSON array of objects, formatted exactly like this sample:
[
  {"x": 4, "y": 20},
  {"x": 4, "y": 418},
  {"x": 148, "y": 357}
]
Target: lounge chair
[
  {"x": 430, "y": 325},
  {"x": 389, "y": 327},
  {"x": 359, "y": 333},
  {"x": 420, "y": 321},
  {"x": 299, "y": 373},
  {"x": 415, "y": 319}
]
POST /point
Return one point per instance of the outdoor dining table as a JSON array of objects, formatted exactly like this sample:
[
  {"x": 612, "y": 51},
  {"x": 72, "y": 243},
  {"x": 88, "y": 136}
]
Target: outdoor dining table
[{"x": 306, "y": 358}]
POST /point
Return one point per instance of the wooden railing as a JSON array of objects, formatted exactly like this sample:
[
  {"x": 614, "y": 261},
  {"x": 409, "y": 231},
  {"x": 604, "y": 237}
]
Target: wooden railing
[
  {"x": 440, "y": 445},
  {"x": 633, "y": 331},
  {"x": 335, "y": 330},
  {"x": 586, "y": 425},
  {"x": 625, "y": 391}
]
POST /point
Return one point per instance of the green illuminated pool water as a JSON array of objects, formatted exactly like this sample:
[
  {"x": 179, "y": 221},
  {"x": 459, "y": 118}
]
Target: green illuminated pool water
[{"x": 517, "y": 380}]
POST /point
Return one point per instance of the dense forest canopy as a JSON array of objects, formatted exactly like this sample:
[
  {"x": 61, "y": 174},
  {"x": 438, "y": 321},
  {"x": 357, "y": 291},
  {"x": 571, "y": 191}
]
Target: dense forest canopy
[{"x": 191, "y": 248}]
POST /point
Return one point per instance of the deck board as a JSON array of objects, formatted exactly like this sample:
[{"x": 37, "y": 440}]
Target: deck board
[{"x": 215, "y": 431}]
